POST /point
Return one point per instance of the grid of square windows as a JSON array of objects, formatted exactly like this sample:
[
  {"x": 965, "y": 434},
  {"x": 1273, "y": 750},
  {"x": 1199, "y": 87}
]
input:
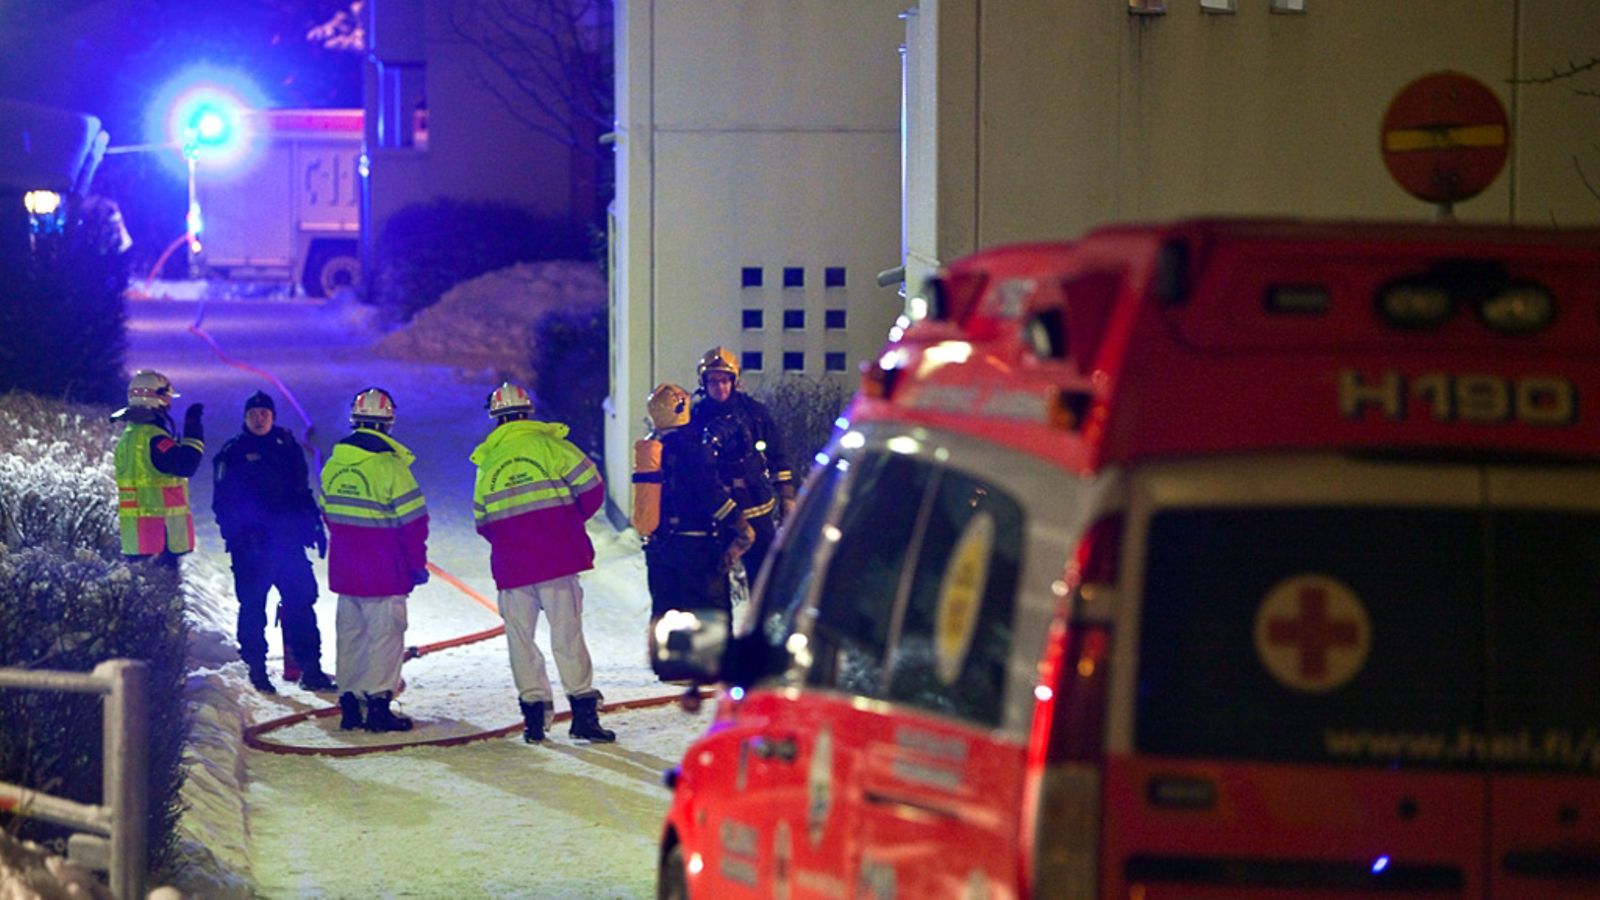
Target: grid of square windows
[
  {"x": 750, "y": 276},
  {"x": 794, "y": 361},
  {"x": 833, "y": 362},
  {"x": 750, "y": 361},
  {"x": 794, "y": 276},
  {"x": 833, "y": 319},
  {"x": 794, "y": 319},
  {"x": 833, "y": 276},
  {"x": 753, "y": 320}
]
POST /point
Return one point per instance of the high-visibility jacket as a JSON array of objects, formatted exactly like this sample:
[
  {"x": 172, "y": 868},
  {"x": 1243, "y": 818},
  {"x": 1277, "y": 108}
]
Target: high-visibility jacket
[
  {"x": 377, "y": 517},
  {"x": 153, "y": 505},
  {"x": 534, "y": 490}
]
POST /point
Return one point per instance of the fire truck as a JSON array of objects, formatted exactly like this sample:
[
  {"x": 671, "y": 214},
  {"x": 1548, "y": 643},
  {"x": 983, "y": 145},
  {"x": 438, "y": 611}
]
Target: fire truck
[
  {"x": 289, "y": 210},
  {"x": 1207, "y": 559}
]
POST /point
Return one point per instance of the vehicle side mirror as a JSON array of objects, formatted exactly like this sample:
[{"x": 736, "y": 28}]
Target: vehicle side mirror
[{"x": 688, "y": 645}]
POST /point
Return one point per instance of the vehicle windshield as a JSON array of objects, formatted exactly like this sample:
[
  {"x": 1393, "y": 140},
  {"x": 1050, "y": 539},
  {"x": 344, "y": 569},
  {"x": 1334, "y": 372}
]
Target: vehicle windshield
[{"x": 1444, "y": 638}]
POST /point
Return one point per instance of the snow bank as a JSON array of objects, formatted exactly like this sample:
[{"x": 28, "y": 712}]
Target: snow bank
[{"x": 486, "y": 326}]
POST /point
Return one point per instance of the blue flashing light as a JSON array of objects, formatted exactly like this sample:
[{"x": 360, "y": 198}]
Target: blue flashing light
[
  {"x": 736, "y": 693},
  {"x": 205, "y": 110},
  {"x": 210, "y": 127},
  {"x": 1380, "y": 864}
]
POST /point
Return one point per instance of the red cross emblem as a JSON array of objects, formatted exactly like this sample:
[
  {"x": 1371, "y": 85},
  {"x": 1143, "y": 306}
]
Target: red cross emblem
[{"x": 1312, "y": 632}]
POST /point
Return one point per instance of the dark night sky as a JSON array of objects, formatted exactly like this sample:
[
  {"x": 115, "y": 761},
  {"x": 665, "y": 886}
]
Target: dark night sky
[{"x": 112, "y": 58}]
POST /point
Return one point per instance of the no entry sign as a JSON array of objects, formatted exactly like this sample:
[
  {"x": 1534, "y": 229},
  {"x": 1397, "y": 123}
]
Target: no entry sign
[{"x": 1445, "y": 137}]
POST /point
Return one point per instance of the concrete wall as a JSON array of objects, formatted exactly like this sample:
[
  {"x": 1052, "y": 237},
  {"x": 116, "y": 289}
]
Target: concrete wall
[
  {"x": 751, "y": 134},
  {"x": 1048, "y": 118}
]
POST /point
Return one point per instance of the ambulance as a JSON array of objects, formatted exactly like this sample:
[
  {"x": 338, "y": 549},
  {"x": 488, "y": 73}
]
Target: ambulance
[{"x": 1207, "y": 559}]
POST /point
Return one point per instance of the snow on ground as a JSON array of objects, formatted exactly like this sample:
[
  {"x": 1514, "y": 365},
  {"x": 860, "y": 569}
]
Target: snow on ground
[{"x": 493, "y": 818}]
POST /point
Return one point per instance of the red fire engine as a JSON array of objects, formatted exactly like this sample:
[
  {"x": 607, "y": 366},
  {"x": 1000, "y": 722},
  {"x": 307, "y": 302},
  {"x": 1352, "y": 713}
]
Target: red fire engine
[{"x": 1218, "y": 559}]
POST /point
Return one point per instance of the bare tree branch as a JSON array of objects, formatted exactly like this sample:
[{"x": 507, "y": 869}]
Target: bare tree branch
[{"x": 1571, "y": 71}]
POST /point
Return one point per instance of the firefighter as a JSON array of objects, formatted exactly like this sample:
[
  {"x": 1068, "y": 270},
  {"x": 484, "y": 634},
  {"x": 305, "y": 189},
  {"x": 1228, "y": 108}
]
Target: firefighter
[
  {"x": 533, "y": 492},
  {"x": 377, "y": 553},
  {"x": 693, "y": 531},
  {"x": 153, "y": 467},
  {"x": 268, "y": 516},
  {"x": 744, "y": 440}
]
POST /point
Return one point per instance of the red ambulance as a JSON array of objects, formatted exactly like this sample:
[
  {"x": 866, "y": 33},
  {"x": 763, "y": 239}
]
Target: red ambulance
[{"x": 1215, "y": 559}]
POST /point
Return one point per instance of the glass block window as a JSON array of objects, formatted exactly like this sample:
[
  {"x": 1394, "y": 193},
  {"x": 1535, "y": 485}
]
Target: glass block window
[
  {"x": 794, "y": 276},
  {"x": 794, "y": 361},
  {"x": 753, "y": 320},
  {"x": 833, "y": 276},
  {"x": 834, "y": 319},
  {"x": 833, "y": 362},
  {"x": 794, "y": 319},
  {"x": 750, "y": 361},
  {"x": 750, "y": 276}
]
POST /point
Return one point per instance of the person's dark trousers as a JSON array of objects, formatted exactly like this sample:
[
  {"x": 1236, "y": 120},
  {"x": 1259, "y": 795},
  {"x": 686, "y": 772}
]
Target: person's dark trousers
[
  {"x": 682, "y": 574},
  {"x": 765, "y": 531},
  {"x": 257, "y": 569}
]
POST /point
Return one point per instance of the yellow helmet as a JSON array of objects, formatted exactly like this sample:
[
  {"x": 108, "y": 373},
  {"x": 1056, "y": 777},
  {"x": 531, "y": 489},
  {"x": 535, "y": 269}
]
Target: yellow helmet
[
  {"x": 668, "y": 405},
  {"x": 717, "y": 359},
  {"x": 372, "y": 406},
  {"x": 150, "y": 389},
  {"x": 507, "y": 399}
]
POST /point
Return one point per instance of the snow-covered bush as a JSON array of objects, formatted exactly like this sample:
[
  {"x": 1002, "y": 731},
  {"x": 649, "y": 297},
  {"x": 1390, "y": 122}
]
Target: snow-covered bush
[
  {"x": 69, "y": 601},
  {"x": 805, "y": 410},
  {"x": 426, "y": 248}
]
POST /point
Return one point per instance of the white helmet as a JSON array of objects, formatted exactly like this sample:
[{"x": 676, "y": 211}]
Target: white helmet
[
  {"x": 150, "y": 389},
  {"x": 508, "y": 399},
  {"x": 372, "y": 406}
]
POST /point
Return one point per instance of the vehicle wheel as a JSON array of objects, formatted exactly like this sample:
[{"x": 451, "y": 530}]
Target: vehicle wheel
[
  {"x": 672, "y": 881},
  {"x": 330, "y": 269}
]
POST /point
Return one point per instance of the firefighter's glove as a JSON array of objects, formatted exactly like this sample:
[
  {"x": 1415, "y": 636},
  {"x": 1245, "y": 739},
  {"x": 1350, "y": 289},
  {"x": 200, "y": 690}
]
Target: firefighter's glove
[
  {"x": 785, "y": 501},
  {"x": 419, "y": 577},
  {"x": 743, "y": 537},
  {"x": 319, "y": 539},
  {"x": 193, "y": 428}
]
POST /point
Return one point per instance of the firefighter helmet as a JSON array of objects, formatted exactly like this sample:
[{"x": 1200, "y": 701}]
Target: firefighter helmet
[
  {"x": 372, "y": 406},
  {"x": 508, "y": 399},
  {"x": 150, "y": 389},
  {"x": 669, "y": 407},
  {"x": 717, "y": 359}
]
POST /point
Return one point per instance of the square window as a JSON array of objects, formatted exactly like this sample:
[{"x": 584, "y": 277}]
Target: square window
[
  {"x": 753, "y": 320},
  {"x": 750, "y": 361},
  {"x": 794, "y": 319},
  {"x": 750, "y": 276},
  {"x": 833, "y": 276},
  {"x": 833, "y": 362},
  {"x": 794, "y": 276},
  {"x": 794, "y": 362},
  {"x": 833, "y": 319}
]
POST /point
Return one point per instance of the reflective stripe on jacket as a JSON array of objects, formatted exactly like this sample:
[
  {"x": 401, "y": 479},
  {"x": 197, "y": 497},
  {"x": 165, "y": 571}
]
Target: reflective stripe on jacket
[
  {"x": 534, "y": 490},
  {"x": 152, "y": 506},
  {"x": 377, "y": 517}
]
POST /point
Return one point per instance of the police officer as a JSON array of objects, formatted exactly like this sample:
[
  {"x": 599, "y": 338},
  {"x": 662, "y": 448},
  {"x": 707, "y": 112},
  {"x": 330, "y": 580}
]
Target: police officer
[
  {"x": 533, "y": 492},
  {"x": 749, "y": 453},
  {"x": 693, "y": 531},
  {"x": 377, "y": 552},
  {"x": 153, "y": 468},
  {"x": 268, "y": 516}
]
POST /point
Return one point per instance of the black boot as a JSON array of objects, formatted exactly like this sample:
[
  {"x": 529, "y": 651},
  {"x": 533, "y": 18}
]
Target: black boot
[
  {"x": 316, "y": 680},
  {"x": 349, "y": 712},
  {"x": 381, "y": 718},
  {"x": 586, "y": 720},
  {"x": 260, "y": 680},
  {"x": 532, "y": 721}
]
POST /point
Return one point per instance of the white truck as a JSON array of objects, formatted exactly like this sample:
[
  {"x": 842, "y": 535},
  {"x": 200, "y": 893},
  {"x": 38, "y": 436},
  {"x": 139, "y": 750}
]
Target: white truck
[{"x": 290, "y": 209}]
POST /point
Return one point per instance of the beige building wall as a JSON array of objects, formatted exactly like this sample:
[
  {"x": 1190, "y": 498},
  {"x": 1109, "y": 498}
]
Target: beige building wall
[
  {"x": 751, "y": 135},
  {"x": 1034, "y": 120}
]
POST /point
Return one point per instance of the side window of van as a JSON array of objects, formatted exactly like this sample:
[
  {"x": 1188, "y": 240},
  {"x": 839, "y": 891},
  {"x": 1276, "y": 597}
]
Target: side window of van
[
  {"x": 790, "y": 575},
  {"x": 955, "y": 638},
  {"x": 864, "y": 573}
]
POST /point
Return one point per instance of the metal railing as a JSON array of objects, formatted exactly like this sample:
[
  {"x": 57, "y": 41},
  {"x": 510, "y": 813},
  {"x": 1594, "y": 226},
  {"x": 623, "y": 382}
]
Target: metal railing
[{"x": 116, "y": 839}]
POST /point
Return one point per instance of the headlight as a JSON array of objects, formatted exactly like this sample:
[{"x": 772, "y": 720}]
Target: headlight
[{"x": 1519, "y": 309}]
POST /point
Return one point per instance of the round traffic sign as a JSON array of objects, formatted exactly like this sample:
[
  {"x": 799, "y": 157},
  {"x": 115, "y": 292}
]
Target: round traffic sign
[{"x": 1445, "y": 137}]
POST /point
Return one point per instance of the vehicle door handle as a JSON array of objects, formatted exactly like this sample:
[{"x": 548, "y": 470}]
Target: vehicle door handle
[{"x": 782, "y": 749}]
